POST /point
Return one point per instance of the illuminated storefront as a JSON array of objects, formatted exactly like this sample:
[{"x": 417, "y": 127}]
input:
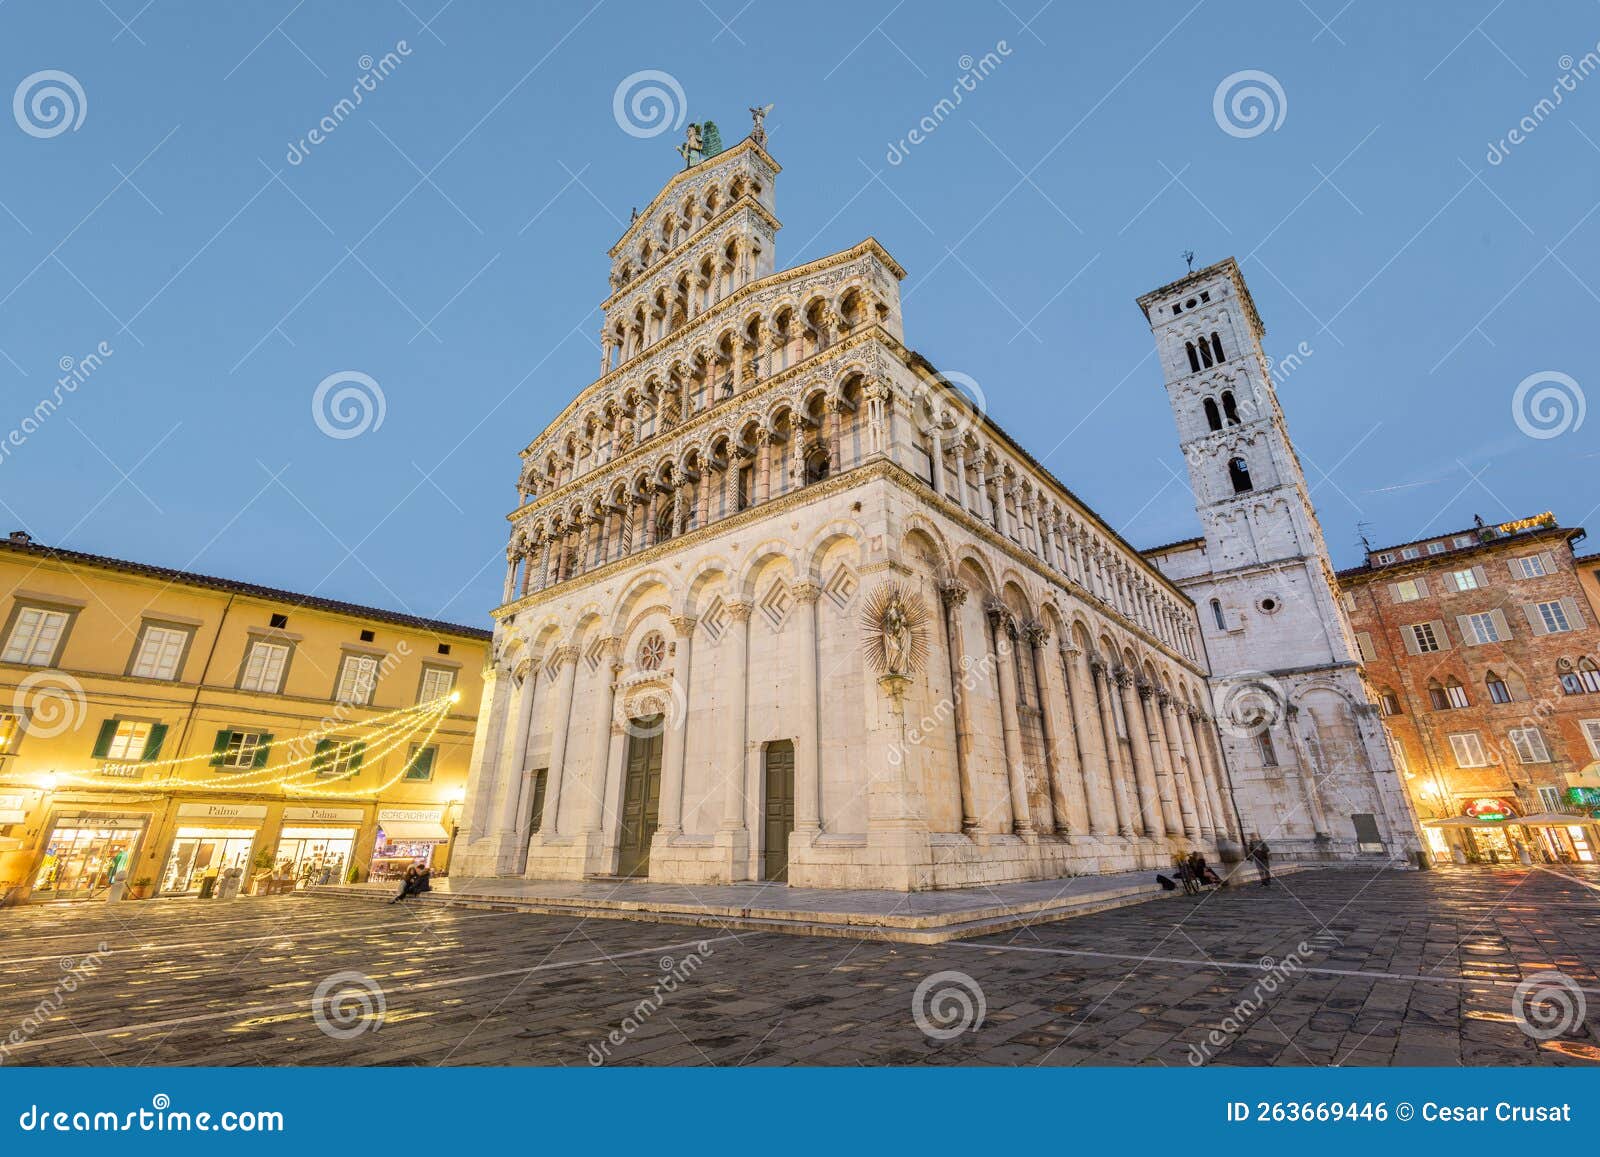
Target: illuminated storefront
[
  {"x": 407, "y": 836},
  {"x": 317, "y": 844},
  {"x": 1491, "y": 830},
  {"x": 211, "y": 838},
  {"x": 83, "y": 854}
]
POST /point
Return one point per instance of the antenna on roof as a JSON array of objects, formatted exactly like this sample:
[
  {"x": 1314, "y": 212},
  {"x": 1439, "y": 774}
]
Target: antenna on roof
[
  {"x": 1361, "y": 532},
  {"x": 1188, "y": 257}
]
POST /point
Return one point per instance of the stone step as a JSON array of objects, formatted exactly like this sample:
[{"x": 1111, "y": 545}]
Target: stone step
[{"x": 975, "y": 912}]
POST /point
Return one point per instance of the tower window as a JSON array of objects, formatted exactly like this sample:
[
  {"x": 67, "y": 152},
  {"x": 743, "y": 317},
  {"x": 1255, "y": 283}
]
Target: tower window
[
  {"x": 1230, "y": 409},
  {"x": 1239, "y": 475},
  {"x": 1194, "y": 358},
  {"x": 1216, "y": 347},
  {"x": 1216, "y": 614},
  {"x": 1213, "y": 416}
]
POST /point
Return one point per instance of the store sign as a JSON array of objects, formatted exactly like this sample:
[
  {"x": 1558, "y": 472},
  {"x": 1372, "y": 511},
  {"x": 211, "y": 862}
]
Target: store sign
[
  {"x": 13, "y": 803},
  {"x": 409, "y": 815},
  {"x": 224, "y": 811},
  {"x": 324, "y": 815},
  {"x": 13, "y": 816},
  {"x": 1489, "y": 808},
  {"x": 123, "y": 771}
]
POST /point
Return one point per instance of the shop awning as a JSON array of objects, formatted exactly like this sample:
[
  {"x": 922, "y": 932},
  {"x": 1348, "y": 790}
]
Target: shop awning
[
  {"x": 1552, "y": 820},
  {"x": 1463, "y": 822},
  {"x": 414, "y": 831}
]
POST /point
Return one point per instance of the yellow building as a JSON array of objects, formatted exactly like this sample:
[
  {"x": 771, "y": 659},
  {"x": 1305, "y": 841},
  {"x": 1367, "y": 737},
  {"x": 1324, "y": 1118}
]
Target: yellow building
[{"x": 172, "y": 726}]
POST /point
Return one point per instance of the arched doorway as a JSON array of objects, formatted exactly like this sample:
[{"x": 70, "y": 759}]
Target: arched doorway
[{"x": 641, "y": 795}]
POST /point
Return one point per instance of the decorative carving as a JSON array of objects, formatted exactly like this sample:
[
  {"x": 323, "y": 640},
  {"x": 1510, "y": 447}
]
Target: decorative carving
[
  {"x": 894, "y": 628},
  {"x": 806, "y": 592},
  {"x": 952, "y": 594}
]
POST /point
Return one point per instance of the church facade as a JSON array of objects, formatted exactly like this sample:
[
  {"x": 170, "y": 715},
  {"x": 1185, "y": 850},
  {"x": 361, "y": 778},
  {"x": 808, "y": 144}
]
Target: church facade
[{"x": 782, "y": 604}]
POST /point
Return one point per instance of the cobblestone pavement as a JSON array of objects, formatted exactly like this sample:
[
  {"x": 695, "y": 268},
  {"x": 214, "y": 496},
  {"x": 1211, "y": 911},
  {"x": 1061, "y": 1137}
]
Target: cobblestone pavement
[{"x": 1325, "y": 967}]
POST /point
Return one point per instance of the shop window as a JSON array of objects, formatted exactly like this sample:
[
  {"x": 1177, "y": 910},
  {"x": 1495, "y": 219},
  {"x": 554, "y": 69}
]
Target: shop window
[
  {"x": 437, "y": 682},
  {"x": 36, "y": 636},
  {"x": 239, "y": 750},
  {"x": 419, "y": 764}
]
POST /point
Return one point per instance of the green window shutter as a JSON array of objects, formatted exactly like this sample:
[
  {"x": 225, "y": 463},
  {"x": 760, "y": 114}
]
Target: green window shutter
[
  {"x": 219, "y": 747},
  {"x": 152, "y": 746},
  {"x": 102, "y": 743},
  {"x": 262, "y": 751},
  {"x": 422, "y": 763},
  {"x": 320, "y": 756},
  {"x": 356, "y": 752}
]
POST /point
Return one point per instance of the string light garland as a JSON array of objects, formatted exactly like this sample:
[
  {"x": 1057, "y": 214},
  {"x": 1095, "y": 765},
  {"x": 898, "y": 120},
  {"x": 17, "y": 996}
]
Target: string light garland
[
  {"x": 330, "y": 791},
  {"x": 393, "y": 729}
]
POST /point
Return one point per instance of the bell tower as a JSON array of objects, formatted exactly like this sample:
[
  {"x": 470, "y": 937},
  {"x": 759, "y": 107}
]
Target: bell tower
[{"x": 1311, "y": 762}]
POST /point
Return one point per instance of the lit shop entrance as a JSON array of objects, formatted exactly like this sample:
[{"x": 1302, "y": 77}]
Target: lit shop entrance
[
  {"x": 201, "y": 852},
  {"x": 83, "y": 855},
  {"x": 406, "y": 836},
  {"x": 315, "y": 855}
]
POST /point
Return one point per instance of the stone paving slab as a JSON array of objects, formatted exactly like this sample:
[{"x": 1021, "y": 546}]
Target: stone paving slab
[{"x": 1379, "y": 969}]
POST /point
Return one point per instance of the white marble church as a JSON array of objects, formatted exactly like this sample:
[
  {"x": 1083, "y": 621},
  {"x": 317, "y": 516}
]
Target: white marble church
[{"x": 781, "y": 605}]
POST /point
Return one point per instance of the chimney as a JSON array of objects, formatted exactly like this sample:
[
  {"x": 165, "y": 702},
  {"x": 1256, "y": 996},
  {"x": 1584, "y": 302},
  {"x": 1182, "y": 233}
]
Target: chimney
[{"x": 22, "y": 538}]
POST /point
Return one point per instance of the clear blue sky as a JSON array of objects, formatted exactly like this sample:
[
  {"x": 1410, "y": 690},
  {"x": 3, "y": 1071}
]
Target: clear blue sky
[{"x": 228, "y": 282}]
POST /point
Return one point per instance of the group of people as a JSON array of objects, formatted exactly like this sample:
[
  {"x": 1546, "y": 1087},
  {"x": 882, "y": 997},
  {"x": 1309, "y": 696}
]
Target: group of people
[{"x": 1194, "y": 874}]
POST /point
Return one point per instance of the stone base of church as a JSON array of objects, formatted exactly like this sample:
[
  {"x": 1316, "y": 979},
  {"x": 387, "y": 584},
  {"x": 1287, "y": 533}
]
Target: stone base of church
[{"x": 720, "y": 858}]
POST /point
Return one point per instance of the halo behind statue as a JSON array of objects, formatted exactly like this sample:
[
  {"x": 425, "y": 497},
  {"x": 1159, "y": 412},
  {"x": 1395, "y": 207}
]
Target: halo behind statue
[{"x": 894, "y": 626}]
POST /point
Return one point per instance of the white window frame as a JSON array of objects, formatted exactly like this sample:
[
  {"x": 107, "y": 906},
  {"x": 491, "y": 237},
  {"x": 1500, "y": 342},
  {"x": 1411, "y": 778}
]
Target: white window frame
[
  {"x": 1483, "y": 627},
  {"x": 1407, "y": 590},
  {"x": 1463, "y": 541},
  {"x": 432, "y": 673},
  {"x": 1386, "y": 557},
  {"x": 1470, "y": 744},
  {"x": 1465, "y": 580},
  {"x": 36, "y": 636},
  {"x": 1531, "y": 566},
  {"x": 1591, "y": 734},
  {"x": 1549, "y": 798},
  {"x": 240, "y": 754},
  {"x": 1553, "y": 613},
  {"x": 160, "y": 652},
  {"x": 1529, "y": 745},
  {"x": 128, "y": 741},
  {"x": 1410, "y": 552},
  {"x": 358, "y": 680},
  {"x": 1456, "y": 695},
  {"x": 1436, "y": 548},
  {"x": 254, "y": 677}
]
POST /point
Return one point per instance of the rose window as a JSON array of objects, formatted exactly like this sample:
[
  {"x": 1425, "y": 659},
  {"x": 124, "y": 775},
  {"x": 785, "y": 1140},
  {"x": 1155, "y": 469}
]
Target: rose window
[{"x": 652, "y": 651}]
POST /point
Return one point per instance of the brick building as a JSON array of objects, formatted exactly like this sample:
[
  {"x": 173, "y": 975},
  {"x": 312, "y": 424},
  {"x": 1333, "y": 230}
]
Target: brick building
[{"x": 1481, "y": 647}]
